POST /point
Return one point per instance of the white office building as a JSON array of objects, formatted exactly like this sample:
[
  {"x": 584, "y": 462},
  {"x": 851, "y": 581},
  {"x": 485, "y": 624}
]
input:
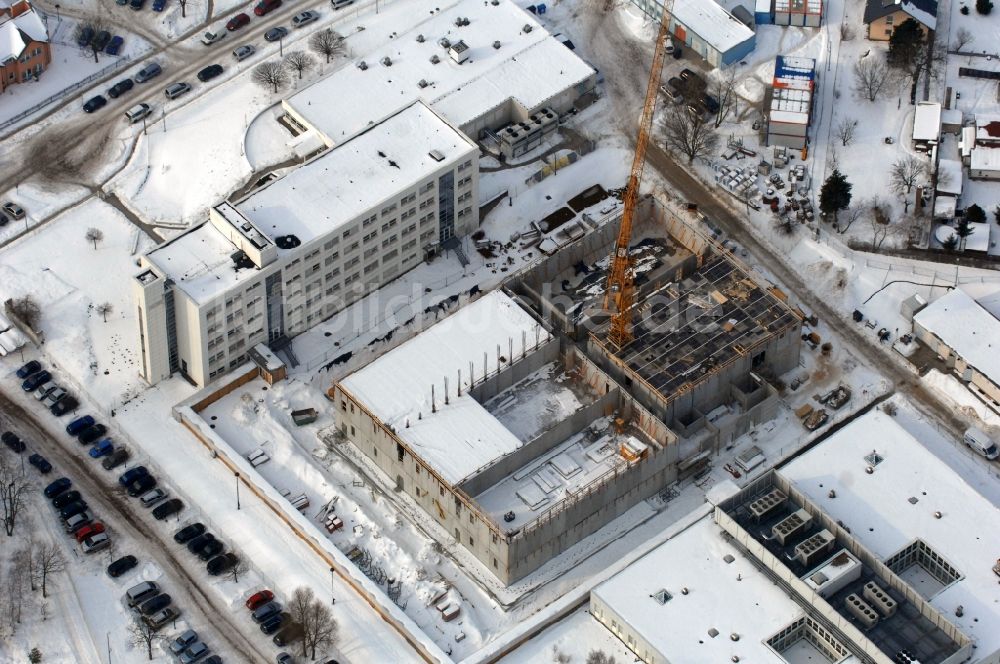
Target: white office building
[{"x": 304, "y": 246}]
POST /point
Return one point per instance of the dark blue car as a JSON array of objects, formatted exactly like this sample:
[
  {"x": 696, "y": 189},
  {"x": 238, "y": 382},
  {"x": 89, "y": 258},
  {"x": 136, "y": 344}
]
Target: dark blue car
[
  {"x": 158, "y": 5},
  {"x": 28, "y": 369},
  {"x": 57, "y": 487},
  {"x": 33, "y": 381},
  {"x": 79, "y": 424},
  {"x": 132, "y": 474},
  {"x": 115, "y": 45},
  {"x": 40, "y": 462},
  {"x": 102, "y": 448}
]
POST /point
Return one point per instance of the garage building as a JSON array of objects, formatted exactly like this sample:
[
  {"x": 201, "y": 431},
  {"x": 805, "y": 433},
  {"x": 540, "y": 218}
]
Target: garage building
[{"x": 705, "y": 28}]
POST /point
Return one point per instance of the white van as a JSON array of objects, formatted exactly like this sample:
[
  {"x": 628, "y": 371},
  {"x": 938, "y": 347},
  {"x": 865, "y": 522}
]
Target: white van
[
  {"x": 137, "y": 113},
  {"x": 981, "y": 443}
]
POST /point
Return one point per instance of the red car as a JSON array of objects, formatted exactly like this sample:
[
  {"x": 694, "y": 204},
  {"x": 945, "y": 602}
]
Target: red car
[
  {"x": 264, "y": 6},
  {"x": 89, "y": 530},
  {"x": 259, "y": 599},
  {"x": 237, "y": 22}
]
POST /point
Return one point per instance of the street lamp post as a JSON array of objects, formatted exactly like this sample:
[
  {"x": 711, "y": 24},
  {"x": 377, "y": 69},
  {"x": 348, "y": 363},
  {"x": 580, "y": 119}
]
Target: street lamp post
[
  {"x": 333, "y": 585},
  {"x": 237, "y": 490},
  {"x": 281, "y": 46}
]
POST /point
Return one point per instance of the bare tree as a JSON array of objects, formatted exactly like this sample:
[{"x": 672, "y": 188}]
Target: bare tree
[
  {"x": 327, "y": 43},
  {"x": 300, "y": 62},
  {"x": 270, "y": 75},
  {"x": 27, "y": 310},
  {"x": 880, "y": 223},
  {"x": 904, "y": 174},
  {"x": 86, "y": 33},
  {"x": 322, "y": 632},
  {"x": 14, "y": 588},
  {"x": 871, "y": 76},
  {"x": 237, "y": 570},
  {"x": 142, "y": 635},
  {"x": 845, "y": 131},
  {"x": 724, "y": 89},
  {"x": 298, "y": 609},
  {"x": 846, "y": 218},
  {"x": 15, "y": 487},
  {"x": 599, "y": 657},
  {"x": 184, "y": 5},
  {"x": 48, "y": 560},
  {"x": 963, "y": 38},
  {"x": 105, "y": 308},
  {"x": 689, "y": 134},
  {"x": 94, "y": 235}
]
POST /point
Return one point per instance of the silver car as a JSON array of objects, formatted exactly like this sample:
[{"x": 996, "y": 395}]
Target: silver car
[
  {"x": 305, "y": 18},
  {"x": 176, "y": 90},
  {"x": 244, "y": 52},
  {"x": 152, "y": 70},
  {"x": 54, "y": 396}
]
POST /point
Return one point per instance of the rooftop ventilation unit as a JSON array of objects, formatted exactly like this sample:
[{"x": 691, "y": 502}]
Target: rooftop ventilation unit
[
  {"x": 422, "y": 83},
  {"x": 496, "y": 44},
  {"x": 859, "y": 609},
  {"x": 875, "y": 595},
  {"x": 362, "y": 65},
  {"x": 460, "y": 21},
  {"x": 769, "y": 501},
  {"x": 662, "y": 596},
  {"x": 435, "y": 59},
  {"x": 526, "y": 28},
  {"x": 420, "y": 39},
  {"x": 444, "y": 42},
  {"x": 436, "y": 155},
  {"x": 386, "y": 61},
  {"x": 494, "y": 2},
  {"x": 809, "y": 550}
]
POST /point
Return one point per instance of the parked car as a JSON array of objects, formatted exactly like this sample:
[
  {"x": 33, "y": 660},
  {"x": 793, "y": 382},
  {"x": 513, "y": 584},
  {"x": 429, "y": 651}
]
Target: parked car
[
  {"x": 210, "y": 38},
  {"x": 159, "y": 619},
  {"x": 167, "y": 508},
  {"x": 94, "y": 104},
  {"x": 175, "y": 90},
  {"x": 53, "y": 397},
  {"x": 196, "y": 651},
  {"x": 181, "y": 643},
  {"x": 120, "y": 88},
  {"x": 131, "y": 475},
  {"x": 272, "y": 623},
  {"x": 141, "y": 592},
  {"x": 57, "y": 487},
  {"x": 65, "y": 498},
  {"x": 136, "y": 5},
  {"x": 213, "y": 659},
  {"x": 15, "y": 212},
  {"x": 158, "y": 603},
  {"x": 284, "y": 658},
  {"x": 710, "y": 103},
  {"x": 41, "y": 463},
  {"x": 244, "y": 52},
  {"x": 259, "y": 599},
  {"x": 264, "y": 6},
  {"x": 64, "y": 405},
  {"x": 137, "y": 113},
  {"x": 114, "y": 46},
  {"x": 31, "y": 367},
  {"x": 33, "y": 381},
  {"x": 13, "y": 442},
  {"x": 220, "y": 564},
  {"x": 79, "y": 424},
  {"x": 266, "y": 611},
  {"x": 43, "y": 390},
  {"x": 122, "y": 565},
  {"x": 274, "y": 34},
  {"x": 91, "y": 433},
  {"x": 77, "y": 521},
  {"x": 212, "y": 549},
  {"x": 304, "y": 18},
  {"x": 150, "y": 498},
  {"x": 290, "y": 633},
  {"x": 189, "y": 532},
  {"x": 103, "y": 448},
  {"x": 88, "y": 531},
  {"x": 152, "y": 70},
  {"x": 689, "y": 76},
  {"x": 237, "y": 22},
  {"x": 209, "y": 72},
  {"x": 159, "y": 5},
  {"x": 196, "y": 545},
  {"x": 337, "y": 4},
  {"x": 101, "y": 40},
  {"x": 117, "y": 458},
  {"x": 141, "y": 485},
  {"x": 85, "y": 36},
  {"x": 96, "y": 543},
  {"x": 72, "y": 509},
  {"x": 3, "y": 220}
]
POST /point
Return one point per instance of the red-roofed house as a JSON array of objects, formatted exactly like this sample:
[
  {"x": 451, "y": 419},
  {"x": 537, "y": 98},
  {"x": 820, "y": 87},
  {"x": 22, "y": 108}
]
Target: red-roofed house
[{"x": 24, "y": 43}]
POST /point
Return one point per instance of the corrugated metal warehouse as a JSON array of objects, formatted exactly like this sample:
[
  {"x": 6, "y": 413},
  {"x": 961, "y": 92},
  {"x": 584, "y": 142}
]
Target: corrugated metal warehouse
[
  {"x": 790, "y": 110},
  {"x": 705, "y": 28}
]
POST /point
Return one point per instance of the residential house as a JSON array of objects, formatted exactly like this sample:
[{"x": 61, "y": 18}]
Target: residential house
[
  {"x": 24, "y": 44},
  {"x": 882, "y": 16}
]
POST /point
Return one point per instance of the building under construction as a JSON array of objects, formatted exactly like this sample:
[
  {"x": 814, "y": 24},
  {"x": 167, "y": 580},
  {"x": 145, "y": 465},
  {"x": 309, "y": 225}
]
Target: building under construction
[{"x": 707, "y": 333}]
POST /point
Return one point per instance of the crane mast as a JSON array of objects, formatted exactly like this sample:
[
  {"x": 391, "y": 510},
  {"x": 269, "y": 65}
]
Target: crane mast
[{"x": 619, "y": 296}]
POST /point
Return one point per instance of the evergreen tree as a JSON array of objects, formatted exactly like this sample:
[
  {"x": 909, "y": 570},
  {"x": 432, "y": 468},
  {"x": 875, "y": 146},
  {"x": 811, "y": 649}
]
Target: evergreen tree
[
  {"x": 835, "y": 194},
  {"x": 905, "y": 44},
  {"x": 35, "y": 656},
  {"x": 984, "y": 7},
  {"x": 975, "y": 214}
]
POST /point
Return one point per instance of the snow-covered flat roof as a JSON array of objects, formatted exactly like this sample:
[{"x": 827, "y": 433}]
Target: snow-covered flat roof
[
  {"x": 962, "y": 323},
  {"x": 881, "y": 512},
  {"x": 530, "y": 66},
  {"x": 950, "y": 176},
  {"x": 732, "y": 598},
  {"x": 988, "y": 127},
  {"x": 927, "y": 121},
  {"x": 462, "y": 436},
  {"x": 355, "y": 176},
  {"x": 979, "y": 239},
  {"x": 199, "y": 262},
  {"x": 985, "y": 158},
  {"x": 711, "y": 22}
]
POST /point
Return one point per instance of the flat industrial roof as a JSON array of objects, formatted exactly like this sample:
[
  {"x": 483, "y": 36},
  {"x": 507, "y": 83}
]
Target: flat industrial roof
[
  {"x": 461, "y": 437},
  {"x": 712, "y": 23},
  {"x": 896, "y": 504},
  {"x": 733, "y": 598},
  {"x": 319, "y": 196},
  {"x": 962, "y": 323},
  {"x": 985, "y": 158},
  {"x": 530, "y": 66},
  {"x": 927, "y": 121}
]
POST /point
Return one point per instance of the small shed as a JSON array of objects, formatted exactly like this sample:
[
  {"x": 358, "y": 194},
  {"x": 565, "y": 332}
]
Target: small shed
[
  {"x": 271, "y": 368},
  {"x": 949, "y": 180},
  {"x": 927, "y": 123},
  {"x": 911, "y": 305}
]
